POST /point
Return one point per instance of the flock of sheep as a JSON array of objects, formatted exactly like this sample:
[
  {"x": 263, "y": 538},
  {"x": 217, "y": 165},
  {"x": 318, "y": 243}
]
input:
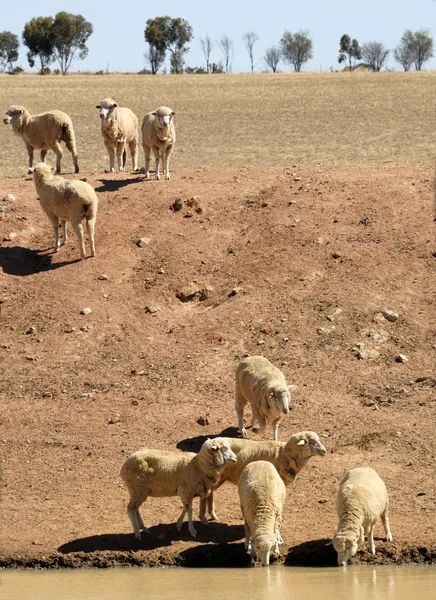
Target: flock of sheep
[
  {"x": 261, "y": 470},
  {"x": 76, "y": 201}
]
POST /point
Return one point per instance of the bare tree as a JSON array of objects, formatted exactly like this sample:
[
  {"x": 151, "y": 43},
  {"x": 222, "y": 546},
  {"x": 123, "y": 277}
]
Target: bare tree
[
  {"x": 226, "y": 45},
  {"x": 374, "y": 55},
  {"x": 297, "y": 48},
  {"x": 155, "y": 58},
  {"x": 272, "y": 58},
  {"x": 206, "y": 46},
  {"x": 250, "y": 38}
]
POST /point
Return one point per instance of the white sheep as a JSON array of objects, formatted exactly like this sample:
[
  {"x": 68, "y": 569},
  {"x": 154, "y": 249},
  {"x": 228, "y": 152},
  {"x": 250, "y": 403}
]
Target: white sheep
[
  {"x": 119, "y": 128},
  {"x": 159, "y": 135},
  {"x": 161, "y": 473},
  {"x": 289, "y": 458},
  {"x": 361, "y": 500},
  {"x": 63, "y": 201},
  {"x": 262, "y": 495},
  {"x": 43, "y": 132},
  {"x": 264, "y": 386}
]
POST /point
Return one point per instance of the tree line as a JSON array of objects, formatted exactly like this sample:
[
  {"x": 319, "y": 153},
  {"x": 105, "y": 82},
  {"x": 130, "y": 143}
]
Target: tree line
[{"x": 63, "y": 39}]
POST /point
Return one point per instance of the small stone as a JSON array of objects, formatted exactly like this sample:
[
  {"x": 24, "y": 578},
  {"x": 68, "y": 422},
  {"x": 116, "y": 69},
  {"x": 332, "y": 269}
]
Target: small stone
[
  {"x": 135, "y": 372},
  {"x": 187, "y": 291},
  {"x": 334, "y": 314},
  {"x": 9, "y": 198},
  {"x": 86, "y": 395},
  {"x": 266, "y": 330},
  {"x": 143, "y": 242},
  {"x": 47, "y": 395},
  {"x": 203, "y": 421},
  {"x": 135, "y": 403},
  {"x": 297, "y": 178},
  {"x": 235, "y": 290},
  {"x": 390, "y": 315},
  {"x": 285, "y": 339},
  {"x": 85, "y": 328},
  {"x": 336, "y": 255},
  {"x": 325, "y": 330},
  {"x": 401, "y": 358},
  {"x": 86, "y": 311},
  {"x": 69, "y": 330},
  {"x": 363, "y": 352},
  {"x": 103, "y": 277},
  {"x": 152, "y": 309},
  {"x": 83, "y": 179},
  {"x": 260, "y": 342},
  {"x": 177, "y": 204},
  {"x": 230, "y": 251},
  {"x": 296, "y": 220},
  {"x": 11, "y": 236},
  {"x": 30, "y": 358},
  {"x": 320, "y": 240},
  {"x": 31, "y": 331},
  {"x": 114, "y": 420}
]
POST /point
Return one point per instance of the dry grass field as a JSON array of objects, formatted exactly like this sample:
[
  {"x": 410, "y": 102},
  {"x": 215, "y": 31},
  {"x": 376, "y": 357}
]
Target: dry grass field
[{"x": 236, "y": 120}]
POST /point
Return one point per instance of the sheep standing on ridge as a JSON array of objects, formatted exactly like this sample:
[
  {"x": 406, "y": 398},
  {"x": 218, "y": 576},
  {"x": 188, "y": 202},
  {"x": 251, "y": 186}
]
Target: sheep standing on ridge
[
  {"x": 187, "y": 475},
  {"x": 159, "y": 135},
  {"x": 289, "y": 458},
  {"x": 63, "y": 201},
  {"x": 119, "y": 128},
  {"x": 43, "y": 132},
  {"x": 264, "y": 386},
  {"x": 361, "y": 500},
  {"x": 262, "y": 495}
]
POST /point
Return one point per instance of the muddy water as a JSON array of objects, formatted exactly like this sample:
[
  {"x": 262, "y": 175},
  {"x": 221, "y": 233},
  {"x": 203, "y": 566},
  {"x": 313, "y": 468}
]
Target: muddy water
[{"x": 352, "y": 583}]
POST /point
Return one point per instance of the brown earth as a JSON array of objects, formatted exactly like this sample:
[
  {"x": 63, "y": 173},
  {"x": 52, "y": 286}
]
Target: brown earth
[{"x": 278, "y": 251}]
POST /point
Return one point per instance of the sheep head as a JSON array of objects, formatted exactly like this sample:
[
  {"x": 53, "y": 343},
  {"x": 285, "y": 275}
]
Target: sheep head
[
  {"x": 346, "y": 547},
  {"x": 219, "y": 451},
  {"x": 164, "y": 117},
  {"x": 282, "y": 399},
  {"x": 106, "y": 107},
  {"x": 42, "y": 172},
  {"x": 13, "y": 114},
  {"x": 305, "y": 444},
  {"x": 261, "y": 548}
]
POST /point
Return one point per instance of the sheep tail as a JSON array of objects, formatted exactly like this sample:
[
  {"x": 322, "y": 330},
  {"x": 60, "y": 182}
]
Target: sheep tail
[{"x": 68, "y": 135}]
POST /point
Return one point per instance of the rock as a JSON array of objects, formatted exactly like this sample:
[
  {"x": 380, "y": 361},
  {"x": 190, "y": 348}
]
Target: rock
[
  {"x": 83, "y": 179},
  {"x": 47, "y": 395},
  {"x": 401, "y": 358},
  {"x": 152, "y": 309},
  {"x": 297, "y": 178},
  {"x": 85, "y": 328},
  {"x": 135, "y": 372},
  {"x": 135, "y": 403},
  {"x": 9, "y": 198},
  {"x": 188, "y": 291},
  {"x": 235, "y": 290},
  {"x": 260, "y": 342},
  {"x": 11, "y": 236},
  {"x": 285, "y": 339},
  {"x": 143, "y": 242},
  {"x": 390, "y": 315},
  {"x": 86, "y": 311},
  {"x": 177, "y": 204},
  {"x": 336, "y": 255},
  {"x": 114, "y": 420},
  {"x": 334, "y": 314},
  {"x": 362, "y": 352},
  {"x": 193, "y": 202},
  {"x": 31, "y": 331},
  {"x": 325, "y": 330},
  {"x": 203, "y": 421},
  {"x": 103, "y": 277}
]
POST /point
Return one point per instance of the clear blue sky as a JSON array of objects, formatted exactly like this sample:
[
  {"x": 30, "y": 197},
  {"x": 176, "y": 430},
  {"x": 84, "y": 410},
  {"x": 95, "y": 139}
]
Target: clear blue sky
[{"x": 118, "y": 37}]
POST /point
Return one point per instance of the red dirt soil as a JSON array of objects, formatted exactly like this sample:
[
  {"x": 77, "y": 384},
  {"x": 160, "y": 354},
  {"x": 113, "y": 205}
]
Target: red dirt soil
[{"x": 277, "y": 251}]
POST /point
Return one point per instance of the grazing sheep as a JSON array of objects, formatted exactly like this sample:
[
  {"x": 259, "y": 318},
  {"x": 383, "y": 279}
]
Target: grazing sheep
[
  {"x": 63, "y": 201},
  {"x": 263, "y": 385},
  {"x": 361, "y": 500},
  {"x": 287, "y": 457},
  {"x": 159, "y": 135},
  {"x": 262, "y": 495},
  {"x": 119, "y": 128},
  {"x": 43, "y": 132},
  {"x": 187, "y": 475}
]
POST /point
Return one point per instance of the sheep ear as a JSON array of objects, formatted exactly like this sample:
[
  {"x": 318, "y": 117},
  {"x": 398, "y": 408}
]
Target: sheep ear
[
  {"x": 114, "y": 105},
  {"x": 20, "y": 111},
  {"x": 173, "y": 113},
  {"x": 271, "y": 395},
  {"x": 214, "y": 447},
  {"x": 154, "y": 113},
  {"x": 301, "y": 443},
  {"x": 98, "y": 106}
]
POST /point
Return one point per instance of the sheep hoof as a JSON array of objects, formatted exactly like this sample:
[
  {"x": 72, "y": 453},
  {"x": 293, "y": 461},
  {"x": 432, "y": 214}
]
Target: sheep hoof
[
  {"x": 157, "y": 176},
  {"x": 389, "y": 537},
  {"x": 193, "y": 532},
  {"x": 213, "y": 516},
  {"x": 138, "y": 535},
  {"x": 167, "y": 177},
  {"x": 30, "y": 171},
  {"x": 76, "y": 170},
  {"x": 243, "y": 432},
  {"x": 147, "y": 176}
]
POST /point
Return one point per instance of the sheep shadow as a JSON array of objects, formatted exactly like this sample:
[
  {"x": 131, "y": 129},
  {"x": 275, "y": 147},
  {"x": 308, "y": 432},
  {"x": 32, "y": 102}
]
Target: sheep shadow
[
  {"x": 195, "y": 443},
  {"x": 113, "y": 185},
  {"x": 216, "y": 555},
  {"x": 19, "y": 261},
  {"x": 158, "y": 536},
  {"x": 314, "y": 553}
]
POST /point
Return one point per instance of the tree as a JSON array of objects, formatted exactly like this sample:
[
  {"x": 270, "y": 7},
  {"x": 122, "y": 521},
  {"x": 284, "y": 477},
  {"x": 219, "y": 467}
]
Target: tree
[
  {"x": 70, "y": 34},
  {"x": 250, "y": 38},
  {"x": 349, "y": 50},
  {"x": 272, "y": 58},
  {"x": 414, "y": 48},
  {"x": 38, "y": 37},
  {"x": 155, "y": 57},
  {"x": 375, "y": 55},
  {"x": 163, "y": 34},
  {"x": 297, "y": 48},
  {"x": 206, "y": 46},
  {"x": 226, "y": 45},
  {"x": 9, "y": 44}
]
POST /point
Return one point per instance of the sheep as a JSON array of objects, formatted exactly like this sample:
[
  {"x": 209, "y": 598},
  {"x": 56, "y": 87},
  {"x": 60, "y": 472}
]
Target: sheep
[
  {"x": 63, "y": 201},
  {"x": 263, "y": 385},
  {"x": 43, "y": 132},
  {"x": 289, "y": 458},
  {"x": 119, "y": 128},
  {"x": 159, "y": 135},
  {"x": 161, "y": 473},
  {"x": 362, "y": 499},
  {"x": 262, "y": 495}
]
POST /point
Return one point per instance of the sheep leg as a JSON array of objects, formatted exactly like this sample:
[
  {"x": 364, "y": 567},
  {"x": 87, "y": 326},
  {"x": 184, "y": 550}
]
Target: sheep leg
[
  {"x": 135, "y": 519},
  {"x": 64, "y": 233},
  {"x": 166, "y": 162},
  {"x": 78, "y": 228},
  {"x": 30, "y": 158},
  {"x": 181, "y": 517},
  {"x": 111, "y": 153},
  {"x": 157, "y": 158},
  {"x": 371, "y": 538},
  {"x": 275, "y": 427},
  {"x": 124, "y": 158},
  {"x": 191, "y": 527},
  {"x": 385, "y": 520},
  {"x": 240, "y": 403},
  {"x": 120, "y": 155},
  {"x": 211, "y": 507},
  {"x": 90, "y": 225},
  {"x": 247, "y": 538},
  {"x": 58, "y": 151},
  {"x": 147, "y": 154},
  {"x": 134, "y": 154},
  {"x": 43, "y": 154},
  {"x": 71, "y": 146}
]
